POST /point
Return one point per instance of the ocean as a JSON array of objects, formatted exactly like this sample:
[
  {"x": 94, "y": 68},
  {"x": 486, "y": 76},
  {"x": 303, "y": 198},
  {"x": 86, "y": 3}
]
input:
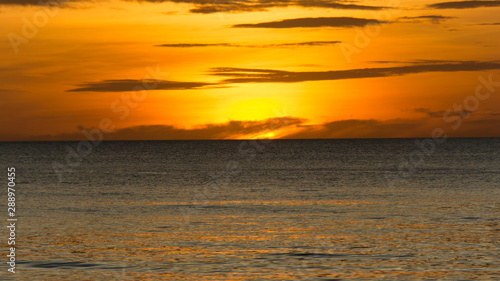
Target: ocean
[{"x": 347, "y": 209}]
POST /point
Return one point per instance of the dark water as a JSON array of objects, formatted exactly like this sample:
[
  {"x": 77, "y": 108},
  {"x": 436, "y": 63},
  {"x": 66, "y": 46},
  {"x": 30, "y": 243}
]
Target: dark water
[{"x": 254, "y": 210}]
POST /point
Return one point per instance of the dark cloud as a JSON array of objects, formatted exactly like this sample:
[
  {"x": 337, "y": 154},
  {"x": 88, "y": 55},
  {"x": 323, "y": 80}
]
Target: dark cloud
[
  {"x": 336, "y": 5},
  {"x": 464, "y": 4},
  {"x": 232, "y": 6},
  {"x": 126, "y": 85},
  {"x": 20, "y": 2},
  {"x": 224, "y": 6},
  {"x": 396, "y": 128},
  {"x": 313, "y": 22},
  {"x": 9, "y": 91},
  {"x": 355, "y": 128},
  {"x": 435, "y": 19},
  {"x": 241, "y": 129},
  {"x": 296, "y": 44},
  {"x": 310, "y": 43},
  {"x": 462, "y": 113},
  {"x": 196, "y": 45},
  {"x": 53, "y": 3},
  {"x": 247, "y": 75},
  {"x": 420, "y": 61},
  {"x": 296, "y": 128},
  {"x": 441, "y": 113},
  {"x": 491, "y": 23},
  {"x": 228, "y": 130},
  {"x": 424, "y": 61},
  {"x": 231, "y": 129}
]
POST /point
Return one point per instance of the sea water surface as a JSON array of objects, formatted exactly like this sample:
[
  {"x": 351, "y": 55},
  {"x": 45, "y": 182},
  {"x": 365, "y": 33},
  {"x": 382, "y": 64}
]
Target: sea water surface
[{"x": 255, "y": 210}]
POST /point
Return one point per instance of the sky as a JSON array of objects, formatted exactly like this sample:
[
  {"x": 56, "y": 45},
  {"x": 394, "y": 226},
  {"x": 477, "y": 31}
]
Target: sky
[{"x": 225, "y": 69}]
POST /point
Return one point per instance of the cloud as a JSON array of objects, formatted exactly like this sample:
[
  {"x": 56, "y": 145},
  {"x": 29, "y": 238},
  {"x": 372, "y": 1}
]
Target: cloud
[
  {"x": 464, "y": 4},
  {"x": 461, "y": 113},
  {"x": 232, "y": 6},
  {"x": 9, "y": 91},
  {"x": 48, "y": 3},
  {"x": 289, "y": 127},
  {"x": 228, "y": 130},
  {"x": 20, "y": 2},
  {"x": 281, "y": 45},
  {"x": 441, "y": 113},
  {"x": 310, "y": 43},
  {"x": 126, "y": 85},
  {"x": 434, "y": 19},
  {"x": 248, "y": 129},
  {"x": 225, "y": 6},
  {"x": 355, "y": 128},
  {"x": 337, "y": 5},
  {"x": 313, "y": 22},
  {"x": 418, "y": 61},
  {"x": 248, "y": 75},
  {"x": 196, "y": 45},
  {"x": 231, "y": 130},
  {"x": 491, "y": 23},
  {"x": 478, "y": 126}
]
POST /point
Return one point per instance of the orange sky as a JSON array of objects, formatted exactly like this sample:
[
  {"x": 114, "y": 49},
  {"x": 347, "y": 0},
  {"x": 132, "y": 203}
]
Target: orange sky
[{"x": 190, "y": 69}]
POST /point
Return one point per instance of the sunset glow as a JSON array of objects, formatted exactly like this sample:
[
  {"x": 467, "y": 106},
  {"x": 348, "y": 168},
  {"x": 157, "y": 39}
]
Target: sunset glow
[{"x": 208, "y": 70}]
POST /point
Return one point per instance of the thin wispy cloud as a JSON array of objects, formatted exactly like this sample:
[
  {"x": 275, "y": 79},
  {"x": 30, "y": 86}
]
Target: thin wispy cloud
[
  {"x": 418, "y": 61},
  {"x": 434, "y": 19},
  {"x": 280, "y": 45},
  {"x": 197, "y": 45},
  {"x": 491, "y": 23},
  {"x": 126, "y": 85},
  {"x": 53, "y": 3},
  {"x": 248, "y": 75},
  {"x": 226, "y": 6},
  {"x": 310, "y": 43},
  {"x": 441, "y": 113},
  {"x": 233, "y": 6},
  {"x": 336, "y": 5},
  {"x": 465, "y": 4},
  {"x": 23, "y": 2},
  {"x": 312, "y": 22}
]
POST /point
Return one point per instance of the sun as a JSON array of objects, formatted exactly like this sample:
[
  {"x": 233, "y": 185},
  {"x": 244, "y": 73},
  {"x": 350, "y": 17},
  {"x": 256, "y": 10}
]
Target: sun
[{"x": 259, "y": 136}]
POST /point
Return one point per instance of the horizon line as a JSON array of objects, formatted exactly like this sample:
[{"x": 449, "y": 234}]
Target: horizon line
[{"x": 268, "y": 139}]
